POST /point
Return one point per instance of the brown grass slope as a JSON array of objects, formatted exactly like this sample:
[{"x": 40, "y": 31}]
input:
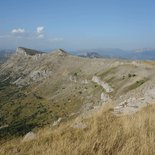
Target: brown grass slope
[{"x": 105, "y": 134}]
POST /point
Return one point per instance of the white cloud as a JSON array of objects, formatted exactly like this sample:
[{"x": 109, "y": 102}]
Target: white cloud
[
  {"x": 40, "y": 32},
  {"x": 40, "y": 29},
  {"x": 18, "y": 31}
]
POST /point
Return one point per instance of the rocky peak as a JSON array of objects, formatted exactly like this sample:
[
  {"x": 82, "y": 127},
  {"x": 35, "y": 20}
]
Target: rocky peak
[
  {"x": 26, "y": 51},
  {"x": 60, "y": 52}
]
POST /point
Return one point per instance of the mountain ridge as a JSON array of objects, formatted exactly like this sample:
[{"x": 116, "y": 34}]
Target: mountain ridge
[
  {"x": 27, "y": 51},
  {"x": 138, "y": 54},
  {"x": 37, "y": 90}
]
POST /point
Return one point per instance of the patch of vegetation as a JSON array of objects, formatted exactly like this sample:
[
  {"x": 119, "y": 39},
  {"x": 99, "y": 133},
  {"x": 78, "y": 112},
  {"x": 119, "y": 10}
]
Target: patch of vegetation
[
  {"x": 131, "y": 75},
  {"x": 105, "y": 73},
  {"x": 16, "y": 129},
  {"x": 80, "y": 92},
  {"x": 38, "y": 97},
  {"x": 140, "y": 82},
  {"x": 111, "y": 79},
  {"x": 135, "y": 85},
  {"x": 75, "y": 74}
]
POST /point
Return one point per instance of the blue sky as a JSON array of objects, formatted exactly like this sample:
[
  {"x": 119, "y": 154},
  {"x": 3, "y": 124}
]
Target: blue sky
[{"x": 77, "y": 24}]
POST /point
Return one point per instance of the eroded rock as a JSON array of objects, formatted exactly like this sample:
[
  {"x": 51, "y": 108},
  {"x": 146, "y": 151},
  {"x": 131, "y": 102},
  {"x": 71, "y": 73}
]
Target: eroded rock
[{"x": 29, "y": 136}]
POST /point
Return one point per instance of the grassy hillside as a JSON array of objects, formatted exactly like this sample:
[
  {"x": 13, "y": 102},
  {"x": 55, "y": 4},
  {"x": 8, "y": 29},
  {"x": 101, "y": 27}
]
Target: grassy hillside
[
  {"x": 35, "y": 103},
  {"x": 105, "y": 134},
  {"x": 37, "y": 90}
]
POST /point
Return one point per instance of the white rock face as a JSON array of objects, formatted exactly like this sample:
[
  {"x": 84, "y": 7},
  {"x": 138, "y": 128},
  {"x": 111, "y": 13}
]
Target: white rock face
[
  {"x": 40, "y": 74},
  {"x": 73, "y": 78},
  {"x": 57, "y": 122},
  {"x": 88, "y": 109},
  {"x": 105, "y": 85},
  {"x": 79, "y": 125},
  {"x": 149, "y": 95},
  {"x": 134, "y": 104},
  {"x": 17, "y": 81},
  {"x": 34, "y": 76},
  {"x": 37, "y": 56},
  {"x": 4, "y": 126},
  {"x": 84, "y": 81},
  {"x": 29, "y": 136},
  {"x": 105, "y": 97},
  {"x": 20, "y": 51},
  {"x": 135, "y": 63}
]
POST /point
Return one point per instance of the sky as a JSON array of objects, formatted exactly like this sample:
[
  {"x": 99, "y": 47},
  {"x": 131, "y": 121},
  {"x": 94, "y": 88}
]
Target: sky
[{"x": 77, "y": 24}]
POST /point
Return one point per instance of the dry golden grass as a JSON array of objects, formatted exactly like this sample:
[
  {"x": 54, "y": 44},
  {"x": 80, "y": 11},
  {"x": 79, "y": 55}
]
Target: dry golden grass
[
  {"x": 149, "y": 63},
  {"x": 105, "y": 134}
]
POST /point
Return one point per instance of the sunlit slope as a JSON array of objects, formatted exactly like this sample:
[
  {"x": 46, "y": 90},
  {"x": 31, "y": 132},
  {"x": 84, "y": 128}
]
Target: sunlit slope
[{"x": 39, "y": 88}]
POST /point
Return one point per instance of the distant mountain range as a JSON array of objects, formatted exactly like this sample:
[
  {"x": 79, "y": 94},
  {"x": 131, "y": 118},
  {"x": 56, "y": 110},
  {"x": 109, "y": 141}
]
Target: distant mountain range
[{"x": 139, "y": 54}]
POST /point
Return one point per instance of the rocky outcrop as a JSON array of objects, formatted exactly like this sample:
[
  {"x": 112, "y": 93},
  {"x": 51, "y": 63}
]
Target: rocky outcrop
[
  {"x": 26, "y": 52},
  {"x": 39, "y": 74},
  {"x": 105, "y": 97},
  {"x": 103, "y": 84},
  {"x": 60, "y": 52},
  {"x": 132, "y": 103},
  {"x": 34, "y": 76},
  {"x": 79, "y": 125},
  {"x": 29, "y": 136},
  {"x": 57, "y": 122},
  {"x": 20, "y": 51}
]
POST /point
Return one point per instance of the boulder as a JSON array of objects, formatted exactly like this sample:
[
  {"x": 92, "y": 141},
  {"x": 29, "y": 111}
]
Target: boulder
[
  {"x": 57, "y": 122},
  {"x": 29, "y": 136}
]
